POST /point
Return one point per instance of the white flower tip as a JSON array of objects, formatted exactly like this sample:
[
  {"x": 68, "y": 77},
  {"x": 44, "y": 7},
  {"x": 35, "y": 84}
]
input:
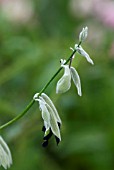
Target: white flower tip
[
  {"x": 89, "y": 60},
  {"x": 80, "y": 94},
  {"x": 71, "y": 49},
  {"x": 86, "y": 29},
  {"x": 92, "y": 62},
  {"x": 35, "y": 96},
  {"x": 79, "y": 91}
]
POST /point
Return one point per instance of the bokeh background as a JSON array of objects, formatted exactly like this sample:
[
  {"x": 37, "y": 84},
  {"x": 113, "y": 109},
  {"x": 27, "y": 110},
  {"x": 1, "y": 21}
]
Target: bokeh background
[{"x": 34, "y": 36}]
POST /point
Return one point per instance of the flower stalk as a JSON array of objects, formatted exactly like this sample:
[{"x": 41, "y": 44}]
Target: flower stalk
[
  {"x": 52, "y": 122},
  {"x": 77, "y": 48}
]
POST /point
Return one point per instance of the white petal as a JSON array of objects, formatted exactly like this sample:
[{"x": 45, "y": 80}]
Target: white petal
[
  {"x": 4, "y": 158},
  {"x": 45, "y": 112},
  {"x": 76, "y": 80},
  {"x": 83, "y": 34},
  {"x": 64, "y": 83},
  {"x": 47, "y": 126},
  {"x": 5, "y": 154},
  {"x": 53, "y": 122},
  {"x": 81, "y": 51},
  {"x": 71, "y": 49},
  {"x": 50, "y": 103},
  {"x": 3, "y": 161}
]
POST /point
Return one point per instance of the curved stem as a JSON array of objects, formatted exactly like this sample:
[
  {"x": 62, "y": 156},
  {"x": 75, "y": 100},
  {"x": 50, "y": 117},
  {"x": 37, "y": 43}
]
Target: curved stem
[
  {"x": 33, "y": 101},
  {"x": 18, "y": 116}
]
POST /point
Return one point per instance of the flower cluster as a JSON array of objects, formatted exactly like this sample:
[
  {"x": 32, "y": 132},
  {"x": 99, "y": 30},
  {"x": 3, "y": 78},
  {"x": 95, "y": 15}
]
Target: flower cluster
[
  {"x": 5, "y": 154},
  {"x": 82, "y": 36},
  {"x": 50, "y": 116},
  {"x": 52, "y": 121},
  {"x": 64, "y": 83}
]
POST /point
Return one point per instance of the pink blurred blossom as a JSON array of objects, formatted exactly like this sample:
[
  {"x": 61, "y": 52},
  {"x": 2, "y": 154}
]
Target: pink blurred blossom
[
  {"x": 17, "y": 10},
  {"x": 102, "y": 10}
]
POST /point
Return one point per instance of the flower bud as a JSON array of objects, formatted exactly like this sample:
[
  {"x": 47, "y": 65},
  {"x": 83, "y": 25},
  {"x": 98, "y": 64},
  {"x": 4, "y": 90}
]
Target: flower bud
[{"x": 83, "y": 34}]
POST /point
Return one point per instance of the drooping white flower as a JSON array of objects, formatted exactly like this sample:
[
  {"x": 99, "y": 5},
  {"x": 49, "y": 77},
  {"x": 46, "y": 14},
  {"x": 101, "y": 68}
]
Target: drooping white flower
[
  {"x": 64, "y": 83},
  {"x": 81, "y": 51},
  {"x": 83, "y": 34},
  {"x": 5, "y": 154},
  {"x": 72, "y": 74},
  {"x": 50, "y": 116}
]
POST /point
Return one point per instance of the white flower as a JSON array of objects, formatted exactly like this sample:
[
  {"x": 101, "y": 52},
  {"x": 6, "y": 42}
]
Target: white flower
[
  {"x": 5, "y": 154},
  {"x": 50, "y": 116},
  {"x": 64, "y": 83},
  {"x": 83, "y": 34},
  {"x": 81, "y": 51}
]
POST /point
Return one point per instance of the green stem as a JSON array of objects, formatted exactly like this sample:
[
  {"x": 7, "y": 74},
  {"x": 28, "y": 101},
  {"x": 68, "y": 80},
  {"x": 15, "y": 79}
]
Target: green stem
[
  {"x": 18, "y": 116},
  {"x": 33, "y": 101}
]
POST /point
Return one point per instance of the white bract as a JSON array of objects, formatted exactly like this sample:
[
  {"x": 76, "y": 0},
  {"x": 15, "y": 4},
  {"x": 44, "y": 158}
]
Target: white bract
[
  {"x": 50, "y": 116},
  {"x": 5, "y": 154},
  {"x": 62, "y": 86},
  {"x": 76, "y": 80},
  {"x": 81, "y": 51},
  {"x": 83, "y": 34}
]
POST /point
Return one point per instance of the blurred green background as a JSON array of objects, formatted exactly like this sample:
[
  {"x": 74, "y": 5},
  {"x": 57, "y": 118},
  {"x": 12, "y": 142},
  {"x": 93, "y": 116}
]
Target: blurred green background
[{"x": 34, "y": 36}]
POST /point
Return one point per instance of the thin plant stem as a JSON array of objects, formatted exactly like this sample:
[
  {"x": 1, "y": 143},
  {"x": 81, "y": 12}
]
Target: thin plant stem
[
  {"x": 18, "y": 116},
  {"x": 33, "y": 101}
]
